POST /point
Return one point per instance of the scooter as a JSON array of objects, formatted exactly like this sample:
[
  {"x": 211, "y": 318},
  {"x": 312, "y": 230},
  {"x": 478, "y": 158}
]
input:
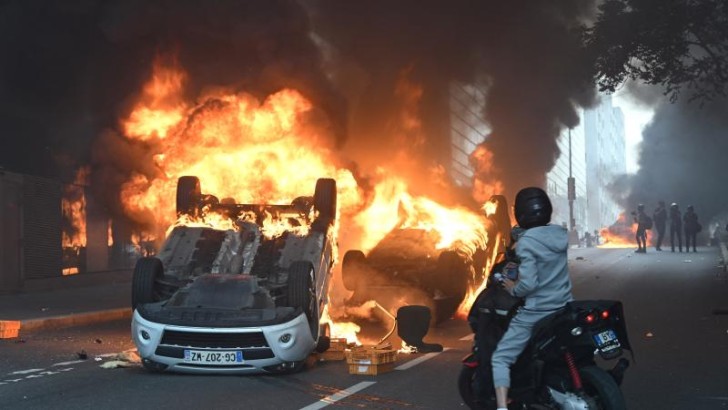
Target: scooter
[{"x": 558, "y": 368}]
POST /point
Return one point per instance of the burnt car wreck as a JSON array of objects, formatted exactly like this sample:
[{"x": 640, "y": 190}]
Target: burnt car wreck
[
  {"x": 407, "y": 267},
  {"x": 241, "y": 299}
]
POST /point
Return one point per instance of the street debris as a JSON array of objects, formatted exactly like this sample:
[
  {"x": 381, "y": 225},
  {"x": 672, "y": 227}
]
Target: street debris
[
  {"x": 99, "y": 341},
  {"x": 128, "y": 358},
  {"x": 580, "y": 258},
  {"x": 82, "y": 355}
]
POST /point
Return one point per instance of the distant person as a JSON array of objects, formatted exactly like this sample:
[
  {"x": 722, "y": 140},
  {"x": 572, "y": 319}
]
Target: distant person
[
  {"x": 596, "y": 237},
  {"x": 692, "y": 227},
  {"x": 643, "y": 222},
  {"x": 675, "y": 226},
  {"x": 588, "y": 239},
  {"x": 660, "y": 218}
]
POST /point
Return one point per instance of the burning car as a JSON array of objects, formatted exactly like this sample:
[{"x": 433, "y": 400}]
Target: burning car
[
  {"x": 244, "y": 299},
  {"x": 410, "y": 265}
]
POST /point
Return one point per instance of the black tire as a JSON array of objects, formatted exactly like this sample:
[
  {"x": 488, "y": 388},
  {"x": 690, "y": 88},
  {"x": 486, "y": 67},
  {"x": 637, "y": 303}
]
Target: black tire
[
  {"x": 466, "y": 381},
  {"x": 452, "y": 275},
  {"x": 352, "y": 268},
  {"x": 188, "y": 195},
  {"x": 324, "y": 340},
  {"x": 302, "y": 294},
  {"x": 601, "y": 387},
  {"x": 147, "y": 272},
  {"x": 324, "y": 199}
]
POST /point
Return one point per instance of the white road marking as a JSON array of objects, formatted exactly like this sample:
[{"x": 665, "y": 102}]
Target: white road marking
[
  {"x": 68, "y": 363},
  {"x": 415, "y": 362},
  {"x": 342, "y": 394},
  {"x": 468, "y": 337},
  {"x": 26, "y": 371},
  {"x": 34, "y": 374}
]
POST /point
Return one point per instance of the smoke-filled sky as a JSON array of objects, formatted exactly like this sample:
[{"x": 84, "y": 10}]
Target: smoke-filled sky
[
  {"x": 682, "y": 160},
  {"x": 70, "y": 70}
]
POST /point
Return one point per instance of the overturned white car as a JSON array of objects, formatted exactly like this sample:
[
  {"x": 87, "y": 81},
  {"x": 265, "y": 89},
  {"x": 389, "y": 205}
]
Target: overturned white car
[{"x": 236, "y": 300}]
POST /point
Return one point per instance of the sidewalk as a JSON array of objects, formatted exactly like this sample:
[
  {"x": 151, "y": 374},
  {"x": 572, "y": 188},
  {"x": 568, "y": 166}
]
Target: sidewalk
[{"x": 65, "y": 307}]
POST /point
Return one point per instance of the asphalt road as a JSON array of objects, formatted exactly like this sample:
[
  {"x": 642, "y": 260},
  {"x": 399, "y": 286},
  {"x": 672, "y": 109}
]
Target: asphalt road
[{"x": 681, "y": 352}]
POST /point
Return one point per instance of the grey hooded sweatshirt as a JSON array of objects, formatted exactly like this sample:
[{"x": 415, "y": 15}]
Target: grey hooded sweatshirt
[{"x": 543, "y": 274}]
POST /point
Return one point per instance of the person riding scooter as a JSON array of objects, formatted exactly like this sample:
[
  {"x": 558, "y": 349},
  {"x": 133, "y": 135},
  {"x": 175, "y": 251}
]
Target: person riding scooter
[{"x": 543, "y": 281}]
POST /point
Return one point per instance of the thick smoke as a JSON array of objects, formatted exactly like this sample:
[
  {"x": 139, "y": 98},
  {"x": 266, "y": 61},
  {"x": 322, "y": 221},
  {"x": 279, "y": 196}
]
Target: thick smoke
[
  {"x": 72, "y": 69},
  {"x": 682, "y": 159},
  {"x": 528, "y": 51}
]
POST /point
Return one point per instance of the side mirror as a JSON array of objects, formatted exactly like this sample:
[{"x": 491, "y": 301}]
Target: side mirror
[{"x": 413, "y": 322}]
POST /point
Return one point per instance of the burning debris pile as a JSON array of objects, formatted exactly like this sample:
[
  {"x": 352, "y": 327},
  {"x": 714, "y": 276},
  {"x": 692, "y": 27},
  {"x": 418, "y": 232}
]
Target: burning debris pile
[{"x": 622, "y": 233}]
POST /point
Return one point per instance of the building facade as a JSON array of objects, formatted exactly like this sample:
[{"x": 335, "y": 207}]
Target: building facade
[
  {"x": 592, "y": 153},
  {"x": 605, "y": 158}
]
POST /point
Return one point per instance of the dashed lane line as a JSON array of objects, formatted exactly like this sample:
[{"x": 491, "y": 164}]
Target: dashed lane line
[
  {"x": 415, "y": 362},
  {"x": 37, "y": 373},
  {"x": 340, "y": 395}
]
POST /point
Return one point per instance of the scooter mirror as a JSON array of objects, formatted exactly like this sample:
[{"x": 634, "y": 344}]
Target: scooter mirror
[{"x": 413, "y": 322}]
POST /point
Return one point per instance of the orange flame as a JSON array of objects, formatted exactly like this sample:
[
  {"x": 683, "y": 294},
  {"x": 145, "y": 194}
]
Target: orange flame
[
  {"x": 621, "y": 234},
  {"x": 484, "y": 183},
  {"x": 73, "y": 209},
  {"x": 268, "y": 151}
]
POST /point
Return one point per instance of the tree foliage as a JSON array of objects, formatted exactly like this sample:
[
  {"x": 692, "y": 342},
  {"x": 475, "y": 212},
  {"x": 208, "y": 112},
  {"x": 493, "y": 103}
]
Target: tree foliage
[{"x": 681, "y": 45}]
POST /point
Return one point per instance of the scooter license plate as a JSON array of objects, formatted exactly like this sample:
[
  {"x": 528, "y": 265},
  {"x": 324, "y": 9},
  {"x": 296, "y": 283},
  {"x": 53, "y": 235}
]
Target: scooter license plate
[{"x": 606, "y": 340}]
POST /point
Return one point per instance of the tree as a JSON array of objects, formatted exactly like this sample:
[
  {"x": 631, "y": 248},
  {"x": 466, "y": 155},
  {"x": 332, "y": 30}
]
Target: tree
[{"x": 681, "y": 45}]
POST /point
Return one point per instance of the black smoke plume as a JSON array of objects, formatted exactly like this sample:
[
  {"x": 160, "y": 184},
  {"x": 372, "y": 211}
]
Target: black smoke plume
[
  {"x": 71, "y": 70},
  {"x": 683, "y": 160},
  {"x": 528, "y": 51}
]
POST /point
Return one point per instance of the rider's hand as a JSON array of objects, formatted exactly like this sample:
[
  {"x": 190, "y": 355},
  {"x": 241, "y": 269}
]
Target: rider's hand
[{"x": 508, "y": 284}]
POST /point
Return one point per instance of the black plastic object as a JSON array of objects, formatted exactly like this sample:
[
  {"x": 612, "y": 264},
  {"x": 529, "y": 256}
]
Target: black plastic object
[{"x": 413, "y": 322}]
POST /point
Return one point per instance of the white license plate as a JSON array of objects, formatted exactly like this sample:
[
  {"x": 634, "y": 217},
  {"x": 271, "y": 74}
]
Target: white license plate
[
  {"x": 213, "y": 357},
  {"x": 606, "y": 338}
]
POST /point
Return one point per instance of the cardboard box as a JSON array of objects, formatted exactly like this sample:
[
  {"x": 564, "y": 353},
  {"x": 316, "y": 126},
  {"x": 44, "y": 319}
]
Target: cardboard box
[
  {"x": 371, "y": 355},
  {"x": 335, "y": 351},
  {"x": 371, "y": 369},
  {"x": 9, "y": 329},
  {"x": 371, "y": 360}
]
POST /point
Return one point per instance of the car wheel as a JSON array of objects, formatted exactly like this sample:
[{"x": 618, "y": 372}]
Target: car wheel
[
  {"x": 324, "y": 340},
  {"x": 452, "y": 274},
  {"x": 351, "y": 269},
  {"x": 147, "y": 272},
  {"x": 302, "y": 294},
  {"x": 324, "y": 202},
  {"x": 188, "y": 195}
]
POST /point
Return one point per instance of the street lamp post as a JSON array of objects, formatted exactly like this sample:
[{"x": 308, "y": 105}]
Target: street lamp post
[{"x": 571, "y": 189}]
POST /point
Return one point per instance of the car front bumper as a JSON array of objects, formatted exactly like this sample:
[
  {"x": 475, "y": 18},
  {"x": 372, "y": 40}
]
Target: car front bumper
[{"x": 273, "y": 348}]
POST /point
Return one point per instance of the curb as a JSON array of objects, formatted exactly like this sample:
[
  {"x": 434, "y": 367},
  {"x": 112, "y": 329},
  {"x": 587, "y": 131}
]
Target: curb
[{"x": 59, "y": 322}]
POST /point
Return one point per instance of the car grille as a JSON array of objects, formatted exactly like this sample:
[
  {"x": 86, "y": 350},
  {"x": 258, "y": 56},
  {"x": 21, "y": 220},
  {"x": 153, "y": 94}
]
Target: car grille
[{"x": 214, "y": 340}]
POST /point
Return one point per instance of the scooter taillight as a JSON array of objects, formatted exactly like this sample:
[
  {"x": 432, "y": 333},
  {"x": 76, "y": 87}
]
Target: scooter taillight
[{"x": 592, "y": 317}]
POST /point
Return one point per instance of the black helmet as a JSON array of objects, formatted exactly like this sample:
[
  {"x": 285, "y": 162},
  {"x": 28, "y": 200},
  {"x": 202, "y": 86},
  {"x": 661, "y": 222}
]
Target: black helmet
[
  {"x": 673, "y": 205},
  {"x": 533, "y": 208},
  {"x": 641, "y": 207},
  {"x": 690, "y": 208}
]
